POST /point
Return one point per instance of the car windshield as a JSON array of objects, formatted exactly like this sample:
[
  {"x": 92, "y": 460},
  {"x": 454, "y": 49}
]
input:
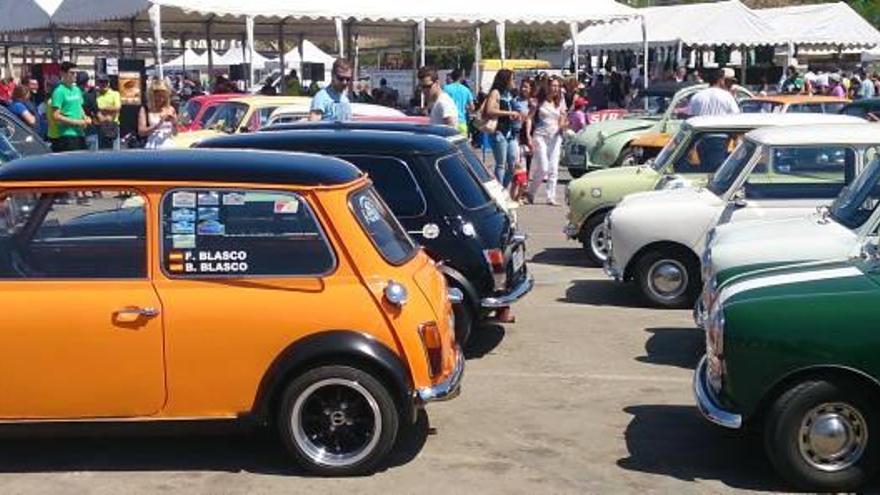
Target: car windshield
[
  {"x": 858, "y": 201},
  {"x": 189, "y": 112},
  {"x": 374, "y": 216},
  {"x": 666, "y": 153},
  {"x": 649, "y": 105},
  {"x": 760, "y": 106},
  {"x": 731, "y": 168},
  {"x": 228, "y": 116}
]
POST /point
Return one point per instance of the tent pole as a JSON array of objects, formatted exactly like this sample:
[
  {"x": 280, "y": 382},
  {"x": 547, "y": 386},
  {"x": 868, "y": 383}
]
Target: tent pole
[
  {"x": 251, "y": 49},
  {"x": 54, "y": 36},
  {"x": 745, "y": 65},
  {"x": 340, "y": 33},
  {"x": 478, "y": 60},
  {"x": 789, "y": 57},
  {"x": 210, "y": 42},
  {"x": 183, "y": 52},
  {"x": 356, "y": 51},
  {"x": 281, "y": 50},
  {"x": 302, "y": 66},
  {"x": 574, "y": 28},
  {"x": 679, "y": 54},
  {"x": 156, "y": 21},
  {"x": 133, "y": 38},
  {"x": 121, "y": 40},
  {"x": 645, "y": 75},
  {"x": 501, "y": 34}
]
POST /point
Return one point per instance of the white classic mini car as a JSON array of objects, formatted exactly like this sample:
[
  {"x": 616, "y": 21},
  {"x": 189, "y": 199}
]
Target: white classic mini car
[{"x": 779, "y": 172}]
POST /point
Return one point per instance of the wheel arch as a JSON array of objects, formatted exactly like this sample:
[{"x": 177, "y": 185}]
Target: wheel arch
[
  {"x": 834, "y": 373},
  {"x": 658, "y": 246},
  {"x": 458, "y": 279},
  {"x": 340, "y": 347}
]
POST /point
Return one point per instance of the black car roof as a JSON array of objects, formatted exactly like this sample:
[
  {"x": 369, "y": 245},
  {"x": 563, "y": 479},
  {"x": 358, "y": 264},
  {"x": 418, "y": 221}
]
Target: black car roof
[
  {"x": 667, "y": 88},
  {"x": 436, "y": 130},
  {"x": 183, "y": 165},
  {"x": 337, "y": 141}
]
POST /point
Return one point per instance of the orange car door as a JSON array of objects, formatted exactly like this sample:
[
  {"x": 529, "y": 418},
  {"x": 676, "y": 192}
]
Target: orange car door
[{"x": 82, "y": 324}]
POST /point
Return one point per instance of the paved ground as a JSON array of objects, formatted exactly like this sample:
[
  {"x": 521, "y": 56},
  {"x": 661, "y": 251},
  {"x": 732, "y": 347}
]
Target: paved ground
[{"x": 585, "y": 393}]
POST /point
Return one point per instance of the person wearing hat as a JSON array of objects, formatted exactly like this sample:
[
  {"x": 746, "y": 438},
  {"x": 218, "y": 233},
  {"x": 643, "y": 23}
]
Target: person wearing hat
[
  {"x": 716, "y": 99},
  {"x": 109, "y": 104},
  {"x": 835, "y": 87}
]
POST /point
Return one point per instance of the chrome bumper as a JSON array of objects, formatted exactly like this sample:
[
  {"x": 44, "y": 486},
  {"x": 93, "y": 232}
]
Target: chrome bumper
[
  {"x": 571, "y": 231},
  {"x": 447, "y": 389},
  {"x": 612, "y": 271},
  {"x": 708, "y": 404},
  {"x": 511, "y": 297},
  {"x": 700, "y": 313}
]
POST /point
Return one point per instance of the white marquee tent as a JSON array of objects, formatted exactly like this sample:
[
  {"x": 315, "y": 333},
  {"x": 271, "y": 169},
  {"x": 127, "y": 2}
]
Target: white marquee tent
[{"x": 822, "y": 25}]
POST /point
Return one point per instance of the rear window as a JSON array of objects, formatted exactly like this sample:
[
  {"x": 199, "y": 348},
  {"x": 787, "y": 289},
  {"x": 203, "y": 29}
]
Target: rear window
[
  {"x": 395, "y": 183},
  {"x": 461, "y": 182},
  {"x": 476, "y": 165},
  {"x": 759, "y": 106},
  {"x": 386, "y": 233}
]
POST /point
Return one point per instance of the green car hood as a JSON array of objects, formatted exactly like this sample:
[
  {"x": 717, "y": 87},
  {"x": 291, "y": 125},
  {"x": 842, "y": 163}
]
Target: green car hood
[
  {"x": 812, "y": 280},
  {"x": 611, "y": 128},
  {"x": 606, "y": 187}
]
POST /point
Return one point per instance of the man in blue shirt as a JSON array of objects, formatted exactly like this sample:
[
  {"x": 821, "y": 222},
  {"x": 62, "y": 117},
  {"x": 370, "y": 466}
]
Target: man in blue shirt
[
  {"x": 462, "y": 96},
  {"x": 332, "y": 103}
]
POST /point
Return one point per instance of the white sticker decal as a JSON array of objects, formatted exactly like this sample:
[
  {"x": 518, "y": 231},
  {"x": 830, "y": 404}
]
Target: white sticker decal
[
  {"x": 209, "y": 198},
  {"x": 286, "y": 206},
  {"x": 211, "y": 227},
  {"x": 369, "y": 210},
  {"x": 233, "y": 199},
  {"x": 183, "y": 227},
  {"x": 183, "y": 241},
  {"x": 183, "y": 215},
  {"x": 209, "y": 214},
  {"x": 183, "y": 199}
]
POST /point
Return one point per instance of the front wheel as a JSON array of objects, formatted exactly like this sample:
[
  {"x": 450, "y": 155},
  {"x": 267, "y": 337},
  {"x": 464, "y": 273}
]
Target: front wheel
[
  {"x": 338, "y": 421},
  {"x": 576, "y": 173},
  {"x": 594, "y": 239},
  {"x": 822, "y": 436},
  {"x": 668, "y": 278}
]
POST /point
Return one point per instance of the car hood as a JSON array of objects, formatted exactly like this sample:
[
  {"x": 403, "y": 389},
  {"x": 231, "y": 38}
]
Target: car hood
[
  {"x": 791, "y": 230},
  {"x": 610, "y": 128},
  {"x": 673, "y": 197},
  {"x": 188, "y": 139},
  {"x": 632, "y": 178},
  {"x": 793, "y": 281}
]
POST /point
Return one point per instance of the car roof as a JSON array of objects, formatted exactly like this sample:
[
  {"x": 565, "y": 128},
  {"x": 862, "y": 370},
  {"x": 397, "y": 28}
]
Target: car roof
[
  {"x": 817, "y": 134},
  {"x": 752, "y": 120},
  {"x": 265, "y": 101},
  {"x": 793, "y": 99},
  {"x": 214, "y": 98},
  {"x": 669, "y": 88},
  {"x": 866, "y": 102},
  {"x": 183, "y": 165},
  {"x": 336, "y": 140},
  {"x": 435, "y": 130}
]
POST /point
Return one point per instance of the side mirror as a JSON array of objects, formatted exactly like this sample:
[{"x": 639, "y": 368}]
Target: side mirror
[{"x": 739, "y": 199}]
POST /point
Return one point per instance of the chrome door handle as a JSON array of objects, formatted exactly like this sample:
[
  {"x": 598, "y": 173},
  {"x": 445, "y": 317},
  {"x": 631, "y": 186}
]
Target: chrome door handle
[{"x": 132, "y": 314}]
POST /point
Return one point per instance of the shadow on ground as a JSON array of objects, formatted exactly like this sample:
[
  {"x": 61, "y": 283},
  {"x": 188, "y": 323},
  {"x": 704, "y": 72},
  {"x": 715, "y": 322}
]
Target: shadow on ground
[
  {"x": 562, "y": 257},
  {"x": 675, "y": 441},
  {"x": 680, "y": 347},
  {"x": 126, "y": 447},
  {"x": 483, "y": 340},
  {"x": 602, "y": 293}
]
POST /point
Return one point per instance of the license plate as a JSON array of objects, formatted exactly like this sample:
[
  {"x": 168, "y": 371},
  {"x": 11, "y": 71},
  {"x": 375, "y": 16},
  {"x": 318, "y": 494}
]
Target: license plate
[{"x": 519, "y": 259}]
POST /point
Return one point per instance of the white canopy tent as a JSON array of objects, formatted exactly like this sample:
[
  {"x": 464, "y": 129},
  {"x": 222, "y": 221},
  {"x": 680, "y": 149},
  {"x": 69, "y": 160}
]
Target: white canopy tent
[{"x": 822, "y": 25}]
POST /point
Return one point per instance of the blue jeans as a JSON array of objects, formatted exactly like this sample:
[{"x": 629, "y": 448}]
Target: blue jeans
[{"x": 504, "y": 149}]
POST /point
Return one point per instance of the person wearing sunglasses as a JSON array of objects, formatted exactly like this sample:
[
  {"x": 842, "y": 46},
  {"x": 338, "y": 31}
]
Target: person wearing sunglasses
[
  {"x": 442, "y": 107},
  {"x": 332, "y": 103}
]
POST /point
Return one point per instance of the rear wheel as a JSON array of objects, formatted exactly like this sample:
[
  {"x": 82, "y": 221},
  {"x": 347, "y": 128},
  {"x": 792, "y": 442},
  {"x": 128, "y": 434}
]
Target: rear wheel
[
  {"x": 338, "y": 421},
  {"x": 668, "y": 278},
  {"x": 576, "y": 173},
  {"x": 594, "y": 239},
  {"x": 822, "y": 436}
]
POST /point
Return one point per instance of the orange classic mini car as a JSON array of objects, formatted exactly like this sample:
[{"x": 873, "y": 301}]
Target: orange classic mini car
[{"x": 161, "y": 286}]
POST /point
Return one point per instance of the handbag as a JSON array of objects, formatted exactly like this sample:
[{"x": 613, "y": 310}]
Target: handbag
[
  {"x": 108, "y": 130},
  {"x": 484, "y": 125}
]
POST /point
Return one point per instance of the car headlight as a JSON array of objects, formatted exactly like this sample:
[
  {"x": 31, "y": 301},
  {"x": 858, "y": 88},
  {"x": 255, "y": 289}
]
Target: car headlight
[{"x": 715, "y": 349}]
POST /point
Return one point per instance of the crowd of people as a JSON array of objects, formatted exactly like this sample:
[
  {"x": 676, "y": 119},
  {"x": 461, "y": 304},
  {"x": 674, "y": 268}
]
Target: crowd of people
[{"x": 854, "y": 85}]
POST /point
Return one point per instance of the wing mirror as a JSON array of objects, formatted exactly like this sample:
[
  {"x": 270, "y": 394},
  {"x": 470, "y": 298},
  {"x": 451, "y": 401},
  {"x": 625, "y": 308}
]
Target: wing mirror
[{"x": 739, "y": 199}]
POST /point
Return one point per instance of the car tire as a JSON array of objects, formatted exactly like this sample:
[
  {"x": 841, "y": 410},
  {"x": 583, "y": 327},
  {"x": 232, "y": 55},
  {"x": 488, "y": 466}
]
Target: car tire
[
  {"x": 465, "y": 321},
  {"x": 341, "y": 409},
  {"x": 593, "y": 238},
  {"x": 668, "y": 278},
  {"x": 626, "y": 158},
  {"x": 832, "y": 409},
  {"x": 576, "y": 173}
]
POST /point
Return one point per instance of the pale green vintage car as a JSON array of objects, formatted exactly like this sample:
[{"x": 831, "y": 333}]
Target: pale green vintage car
[
  {"x": 691, "y": 157},
  {"x": 659, "y": 109}
]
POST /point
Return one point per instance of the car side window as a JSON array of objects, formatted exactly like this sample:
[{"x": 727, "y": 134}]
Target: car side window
[
  {"x": 242, "y": 233},
  {"x": 461, "y": 182},
  {"x": 806, "y": 108},
  {"x": 804, "y": 172},
  {"x": 706, "y": 153},
  {"x": 682, "y": 107},
  {"x": 395, "y": 182},
  {"x": 73, "y": 235}
]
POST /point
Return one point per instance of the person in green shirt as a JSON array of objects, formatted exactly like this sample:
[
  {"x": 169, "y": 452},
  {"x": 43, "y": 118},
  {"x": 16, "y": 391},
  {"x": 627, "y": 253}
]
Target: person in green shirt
[
  {"x": 109, "y": 104},
  {"x": 66, "y": 106}
]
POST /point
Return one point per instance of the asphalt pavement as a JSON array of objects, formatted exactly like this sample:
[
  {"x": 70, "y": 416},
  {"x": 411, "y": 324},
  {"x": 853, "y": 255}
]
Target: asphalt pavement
[{"x": 587, "y": 392}]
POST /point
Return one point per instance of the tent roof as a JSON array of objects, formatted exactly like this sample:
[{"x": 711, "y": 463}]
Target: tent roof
[
  {"x": 311, "y": 53},
  {"x": 700, "y": 24},
  {"x": 835, "y": 24}
]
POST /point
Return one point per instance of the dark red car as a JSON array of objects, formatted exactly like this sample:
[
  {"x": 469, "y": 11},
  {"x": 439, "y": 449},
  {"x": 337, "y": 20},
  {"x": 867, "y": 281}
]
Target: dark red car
[{"x": 199, "y": 110}]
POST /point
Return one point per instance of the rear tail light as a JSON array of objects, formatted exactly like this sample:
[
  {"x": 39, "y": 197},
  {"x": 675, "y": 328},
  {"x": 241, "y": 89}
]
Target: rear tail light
[
  {"x": 431, "y": 339},
  {"x": 495, "y": 260}
]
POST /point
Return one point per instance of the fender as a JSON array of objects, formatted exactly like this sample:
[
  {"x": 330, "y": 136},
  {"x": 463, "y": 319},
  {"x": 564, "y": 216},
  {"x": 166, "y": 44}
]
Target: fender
[
  {"x": 456, "y": 278},
  {"x": 333, "y": 346}
]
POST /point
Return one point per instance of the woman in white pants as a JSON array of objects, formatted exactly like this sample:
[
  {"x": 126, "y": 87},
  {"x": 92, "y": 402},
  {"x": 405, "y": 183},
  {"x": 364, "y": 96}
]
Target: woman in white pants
[{"x": 549, "y": 125}]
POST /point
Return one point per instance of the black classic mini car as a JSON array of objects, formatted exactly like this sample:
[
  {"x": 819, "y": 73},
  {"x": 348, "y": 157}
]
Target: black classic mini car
[{"x": 436, "y": 196}]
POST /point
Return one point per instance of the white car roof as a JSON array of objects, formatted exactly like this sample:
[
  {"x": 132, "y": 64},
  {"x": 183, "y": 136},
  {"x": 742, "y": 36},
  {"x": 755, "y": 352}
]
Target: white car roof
[
  {"x": 817, "y": 134},
  {"x": 755, "y": 120}
]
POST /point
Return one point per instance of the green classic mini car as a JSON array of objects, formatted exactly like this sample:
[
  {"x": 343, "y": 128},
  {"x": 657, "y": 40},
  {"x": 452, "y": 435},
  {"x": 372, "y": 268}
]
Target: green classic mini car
[
  {"x": 689, "y": 159},
  {"x": 793, "y": 351},
  {"x": 660, "y": 109}
]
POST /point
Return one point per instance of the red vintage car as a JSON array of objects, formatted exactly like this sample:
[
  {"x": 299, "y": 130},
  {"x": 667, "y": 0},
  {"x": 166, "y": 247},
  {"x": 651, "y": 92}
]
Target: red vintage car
[{"x": 199, "y": 110}]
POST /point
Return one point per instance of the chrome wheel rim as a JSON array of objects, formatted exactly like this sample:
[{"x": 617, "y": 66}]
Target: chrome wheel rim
[
  {"x": 833, "y": 437},
  {"x": 336, "y": 422},
  {"x": 599, "y": 242},
  {"x": 667, "y": 279}
]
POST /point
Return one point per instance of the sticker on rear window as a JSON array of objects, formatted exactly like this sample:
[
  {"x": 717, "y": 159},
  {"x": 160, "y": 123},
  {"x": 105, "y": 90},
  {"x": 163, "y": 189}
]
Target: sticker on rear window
[
  {"x": 233, "y": 199},
  {"x": 183, "y": 199},
  {"x": 209, "y": 198},
  {"x": 286, "y": 206}
]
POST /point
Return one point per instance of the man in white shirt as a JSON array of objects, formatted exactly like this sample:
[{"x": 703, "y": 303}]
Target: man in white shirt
[
  {"x": 716, "y": 99},
  {"x": 442, "y": 107}
]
